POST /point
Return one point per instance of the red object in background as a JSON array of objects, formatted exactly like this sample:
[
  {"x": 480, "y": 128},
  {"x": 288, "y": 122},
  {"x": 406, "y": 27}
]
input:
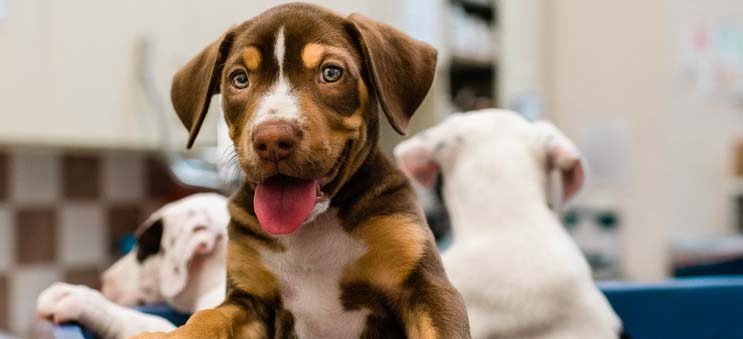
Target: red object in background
[
  {"x": 161, "y": 183},
  {"x": 700, "y": 39}
]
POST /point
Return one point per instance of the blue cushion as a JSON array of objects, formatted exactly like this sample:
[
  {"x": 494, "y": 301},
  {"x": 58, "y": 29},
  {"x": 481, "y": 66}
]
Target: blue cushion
[
  {"x": 694, "y": 308},
  {"x": 165, "y": 311},
  {"x": 723, "y": 267}
]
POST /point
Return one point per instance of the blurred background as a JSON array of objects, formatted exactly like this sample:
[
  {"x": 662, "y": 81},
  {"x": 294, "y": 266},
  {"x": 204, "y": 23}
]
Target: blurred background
[{"x": 650, "y": 90}]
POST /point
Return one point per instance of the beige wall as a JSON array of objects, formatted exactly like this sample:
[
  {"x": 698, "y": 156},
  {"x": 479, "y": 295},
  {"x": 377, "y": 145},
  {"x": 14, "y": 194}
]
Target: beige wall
[
  {"x": 522, "y": 44},
  {"x": 704, "y": 130},
  {"x": 616, "y": 62},
  {"x": 609, "y": 60}
]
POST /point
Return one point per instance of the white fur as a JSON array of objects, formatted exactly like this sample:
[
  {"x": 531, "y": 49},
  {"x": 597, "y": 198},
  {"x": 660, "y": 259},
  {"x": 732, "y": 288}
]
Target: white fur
[
  {"x": 128, "y": 283},
  {"x": 279, "y": 103},
  {"x": 309, "y": 272},
  {"x": 64, "y": 302},
  {"x": 519, "y": 272},
  {"x": 321, "y": 206},
  {"x": 194, "y": 240},
  {"x": 279, "y": 49}
]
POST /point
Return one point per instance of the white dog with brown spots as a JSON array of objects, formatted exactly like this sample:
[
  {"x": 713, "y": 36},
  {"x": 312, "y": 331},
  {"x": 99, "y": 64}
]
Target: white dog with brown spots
[
  {"x": 179, "y": 259},
  {"x": 519, "y": 272}
]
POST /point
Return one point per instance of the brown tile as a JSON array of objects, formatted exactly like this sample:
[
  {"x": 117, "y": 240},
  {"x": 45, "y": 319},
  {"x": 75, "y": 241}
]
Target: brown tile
[
  {"x": 89, "y": 276},
  {"x": 159, "y": 183},
  {"x": 4, "y": 307},
  {"x": 81, "y": 176},
  {"x": 3, "y": 176},
  {"x": 122, "y": 220},
  {"x": 150, "y": 206},
  {"x": 36, "y": 238}
]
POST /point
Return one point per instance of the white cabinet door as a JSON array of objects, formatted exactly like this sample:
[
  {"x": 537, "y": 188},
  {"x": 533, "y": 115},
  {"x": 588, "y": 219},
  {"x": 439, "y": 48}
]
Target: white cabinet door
[
  {"x": 25, "y": 87},
  {"x": 69, "y": 73}
]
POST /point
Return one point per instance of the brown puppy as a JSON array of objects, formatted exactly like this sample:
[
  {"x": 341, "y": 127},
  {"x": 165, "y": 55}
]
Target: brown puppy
[{"x": 326, "y": 239}]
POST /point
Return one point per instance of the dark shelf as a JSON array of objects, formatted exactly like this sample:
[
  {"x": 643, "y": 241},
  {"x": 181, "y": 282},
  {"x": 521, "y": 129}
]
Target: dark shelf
[
  {"x": 471, "y": 81},
  {"x": 460, "y": 63},
  {"x": 485, "y": 12}
]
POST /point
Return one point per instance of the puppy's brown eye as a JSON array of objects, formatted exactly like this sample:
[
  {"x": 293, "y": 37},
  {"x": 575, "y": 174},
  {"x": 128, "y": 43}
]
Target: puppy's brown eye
[
  {"x": 331, "y": 73},
  {"x": 239, "y": 79}
]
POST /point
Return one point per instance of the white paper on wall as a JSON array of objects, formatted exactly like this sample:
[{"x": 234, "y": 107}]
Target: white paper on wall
[{"x": 711, "y": 60}]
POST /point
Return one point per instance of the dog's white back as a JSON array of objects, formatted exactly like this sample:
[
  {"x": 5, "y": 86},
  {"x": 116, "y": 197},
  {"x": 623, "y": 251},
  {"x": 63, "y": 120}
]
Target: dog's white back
[{"x": 518, "y": 270}]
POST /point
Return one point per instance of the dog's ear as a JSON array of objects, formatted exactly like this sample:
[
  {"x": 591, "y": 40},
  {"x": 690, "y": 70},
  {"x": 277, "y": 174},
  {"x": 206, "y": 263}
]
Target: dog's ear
[
  {"x": 415, "y": 158},
  {"x": 196, "y": 82},
  {"x": 563, "y": 156},
  {"x": 149, "y": 236},
  {"x": 182, "y": 246},
  {"x": 400, "y": 68}
]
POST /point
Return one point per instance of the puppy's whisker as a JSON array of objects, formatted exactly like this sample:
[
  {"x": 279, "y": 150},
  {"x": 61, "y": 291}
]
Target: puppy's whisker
[{"x": 232, "y": 171}]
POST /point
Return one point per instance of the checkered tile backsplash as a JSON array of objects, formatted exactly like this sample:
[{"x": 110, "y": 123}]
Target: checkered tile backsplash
[{"x": 62, "y": 215}]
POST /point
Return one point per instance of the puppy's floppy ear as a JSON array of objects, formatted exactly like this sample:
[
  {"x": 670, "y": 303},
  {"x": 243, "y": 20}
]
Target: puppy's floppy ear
[
  {"x": 564, "y": 156},
  {"x": 183, "y": 243},
  {"x": 400, "y": 68},
  {"x": 196, "y": 82},
  {"x": 149, "y": 236}
]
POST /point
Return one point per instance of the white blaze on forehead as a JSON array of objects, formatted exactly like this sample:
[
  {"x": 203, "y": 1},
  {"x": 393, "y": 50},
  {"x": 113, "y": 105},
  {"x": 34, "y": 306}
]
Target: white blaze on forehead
[
  {"x": 279, "y": 103},
  {"x": 279, "y": 49}
]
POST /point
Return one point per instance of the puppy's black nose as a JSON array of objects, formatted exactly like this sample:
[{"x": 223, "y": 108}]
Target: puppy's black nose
[{"x": 276, "y": 140}]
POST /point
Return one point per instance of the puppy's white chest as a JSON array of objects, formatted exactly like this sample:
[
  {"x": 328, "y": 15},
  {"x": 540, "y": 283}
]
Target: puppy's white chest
[{"x": 309, "y": 273}]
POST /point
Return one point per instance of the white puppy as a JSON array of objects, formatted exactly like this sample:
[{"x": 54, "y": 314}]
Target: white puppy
[
  {"x": 179, "y": 259},
  {"x": 519, "y": 272}
]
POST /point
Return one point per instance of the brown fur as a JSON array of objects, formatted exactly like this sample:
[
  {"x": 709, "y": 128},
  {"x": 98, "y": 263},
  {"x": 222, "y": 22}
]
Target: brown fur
[
  {"x": 395, "y": 245},
  {"x": 247, "y": 272},
  {"x": 399, "y": 278}
]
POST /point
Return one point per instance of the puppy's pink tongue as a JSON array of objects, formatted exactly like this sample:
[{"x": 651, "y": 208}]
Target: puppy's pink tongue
[{"x": 282, "y": 203}]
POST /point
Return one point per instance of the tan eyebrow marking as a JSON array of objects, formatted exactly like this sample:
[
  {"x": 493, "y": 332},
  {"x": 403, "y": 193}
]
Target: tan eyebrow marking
[
  {"x": 252, "y": 58},
  {"x": 312, "y": 54}
]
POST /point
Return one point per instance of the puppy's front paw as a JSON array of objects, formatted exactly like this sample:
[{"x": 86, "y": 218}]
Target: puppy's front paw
[
  {"x": 62, "y": 302},
  {"x": 184, "y": 332},
  {"x": 212, "y": 324}
]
